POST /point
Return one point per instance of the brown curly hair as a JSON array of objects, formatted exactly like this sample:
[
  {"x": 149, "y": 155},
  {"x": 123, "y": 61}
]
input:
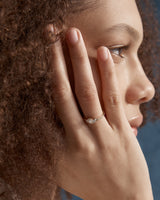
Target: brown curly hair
[{"x": 31, "y": 134}]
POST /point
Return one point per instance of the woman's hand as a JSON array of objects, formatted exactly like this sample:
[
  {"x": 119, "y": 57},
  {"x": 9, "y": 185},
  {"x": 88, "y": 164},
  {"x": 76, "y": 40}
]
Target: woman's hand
[{"x": 102, "y": 160}]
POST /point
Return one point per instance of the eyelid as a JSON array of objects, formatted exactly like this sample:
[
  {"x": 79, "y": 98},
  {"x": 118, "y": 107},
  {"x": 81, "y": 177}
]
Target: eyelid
[
  {"x": 125, "y": 47},
  {"x": 116, "y": 46}
]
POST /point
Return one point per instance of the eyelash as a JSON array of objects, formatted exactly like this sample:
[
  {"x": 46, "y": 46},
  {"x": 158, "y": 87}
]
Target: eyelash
[{"x": 120, "y": 49}]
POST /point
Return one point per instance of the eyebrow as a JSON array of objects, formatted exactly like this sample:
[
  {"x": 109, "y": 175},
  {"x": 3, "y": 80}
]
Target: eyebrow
[{"x": 125, "y": 28}]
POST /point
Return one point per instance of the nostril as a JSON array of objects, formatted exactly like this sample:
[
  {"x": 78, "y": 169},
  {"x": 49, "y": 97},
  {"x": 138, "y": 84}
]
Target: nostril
[{"x": 143, "y": 100}]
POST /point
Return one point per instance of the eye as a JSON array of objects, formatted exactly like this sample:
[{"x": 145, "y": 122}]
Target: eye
[{"x": 118, "y": 50}]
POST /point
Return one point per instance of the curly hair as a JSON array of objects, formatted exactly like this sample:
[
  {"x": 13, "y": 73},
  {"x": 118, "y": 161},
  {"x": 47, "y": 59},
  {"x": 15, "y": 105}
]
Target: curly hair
[{"x": 31, "y": 134}]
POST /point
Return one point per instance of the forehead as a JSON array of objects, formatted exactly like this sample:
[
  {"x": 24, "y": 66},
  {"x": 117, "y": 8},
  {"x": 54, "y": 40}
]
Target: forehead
[
  {"x": 108, "y": 13},
  {"x": 120, "y": 11}
]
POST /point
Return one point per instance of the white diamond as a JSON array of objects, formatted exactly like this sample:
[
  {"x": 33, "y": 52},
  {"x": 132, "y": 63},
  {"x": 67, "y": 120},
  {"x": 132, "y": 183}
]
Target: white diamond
[{"x": 91, "y": 121}]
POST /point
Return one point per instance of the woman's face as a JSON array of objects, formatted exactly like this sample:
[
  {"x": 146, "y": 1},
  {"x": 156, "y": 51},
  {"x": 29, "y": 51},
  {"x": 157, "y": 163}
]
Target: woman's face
[{"x": 118, "y": 26}]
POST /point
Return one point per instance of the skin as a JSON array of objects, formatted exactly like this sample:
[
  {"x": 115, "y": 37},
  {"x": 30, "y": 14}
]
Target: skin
[
  {"x": 103, "y": 160},
  {"x": 134, "y": 86}
]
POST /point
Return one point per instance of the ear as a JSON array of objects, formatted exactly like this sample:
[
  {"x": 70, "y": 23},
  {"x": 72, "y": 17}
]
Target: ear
[{"x": 51, "y": 34}]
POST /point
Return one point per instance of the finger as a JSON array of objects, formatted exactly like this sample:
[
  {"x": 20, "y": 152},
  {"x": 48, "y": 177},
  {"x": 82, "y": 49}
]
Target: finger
[
  {"x": 62, "y": 92},
  {"x": 110, "y": 90},
  {"x": 85, "y": 87}
]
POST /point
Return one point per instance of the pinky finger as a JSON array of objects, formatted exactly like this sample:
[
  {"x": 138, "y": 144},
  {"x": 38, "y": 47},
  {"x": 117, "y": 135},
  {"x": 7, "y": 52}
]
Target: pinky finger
[{"x": 64, "y": 100}]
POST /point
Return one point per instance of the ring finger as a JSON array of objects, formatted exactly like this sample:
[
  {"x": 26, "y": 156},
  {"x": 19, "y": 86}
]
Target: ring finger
[{"x": 85, "y": 87}]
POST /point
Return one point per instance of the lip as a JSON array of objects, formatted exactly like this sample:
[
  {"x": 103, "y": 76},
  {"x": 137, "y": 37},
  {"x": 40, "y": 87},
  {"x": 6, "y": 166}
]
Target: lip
[{"x": 135, "y": 122}]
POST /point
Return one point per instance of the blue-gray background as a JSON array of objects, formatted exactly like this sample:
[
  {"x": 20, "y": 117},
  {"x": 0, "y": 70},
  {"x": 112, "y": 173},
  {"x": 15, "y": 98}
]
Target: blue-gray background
[{"x": 149, "y": 139}]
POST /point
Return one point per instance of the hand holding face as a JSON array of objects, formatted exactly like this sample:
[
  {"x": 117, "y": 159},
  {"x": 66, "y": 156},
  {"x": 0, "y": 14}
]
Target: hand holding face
[{"x": 102, "y": 160}]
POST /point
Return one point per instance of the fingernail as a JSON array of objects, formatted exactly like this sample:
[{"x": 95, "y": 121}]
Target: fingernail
[
  {"x": 103, "y": 54},
  {"x": 72, "y": 36}
]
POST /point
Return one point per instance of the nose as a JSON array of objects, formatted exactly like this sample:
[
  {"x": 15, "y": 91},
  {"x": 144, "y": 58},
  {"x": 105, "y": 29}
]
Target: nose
[{"x": 140, "y": 89}]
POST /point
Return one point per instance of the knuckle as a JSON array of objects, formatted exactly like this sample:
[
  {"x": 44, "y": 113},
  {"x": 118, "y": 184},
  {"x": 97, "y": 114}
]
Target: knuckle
[
  {"x": 86, "y": 93},
  {"x": 89, "y": 150},
  {"x": 86, "y": 150},
  {"x": 126, "y": 137},
  {"x": 110, "y": 73},
  {"x": 113, "y": 99},
  {"x": 61, "y": 92},
  {"x": 110, "y": 151},
  {"x": 79, "y": 54},
  {"x": 106, "y": 147}
]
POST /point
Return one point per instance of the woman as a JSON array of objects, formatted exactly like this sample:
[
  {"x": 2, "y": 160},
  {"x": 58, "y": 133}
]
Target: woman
[{"x": 71, "y": 97}]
